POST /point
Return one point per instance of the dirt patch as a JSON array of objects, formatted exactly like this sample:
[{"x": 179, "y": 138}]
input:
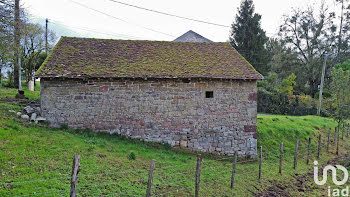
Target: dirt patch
[
  {"x": 101, "y": 155},
  {"x": 275, "y": 190},
  {"x": 300, "y": 184}
]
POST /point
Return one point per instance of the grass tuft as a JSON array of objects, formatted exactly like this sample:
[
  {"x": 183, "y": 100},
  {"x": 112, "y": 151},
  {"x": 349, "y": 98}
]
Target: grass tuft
[{"x": 132, "y": 156}]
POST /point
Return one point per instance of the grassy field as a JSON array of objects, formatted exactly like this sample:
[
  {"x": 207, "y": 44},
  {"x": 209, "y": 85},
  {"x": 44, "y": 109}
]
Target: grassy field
[
  {"x": 11, "y": 92},
  {"x": 36, "y": 160}
]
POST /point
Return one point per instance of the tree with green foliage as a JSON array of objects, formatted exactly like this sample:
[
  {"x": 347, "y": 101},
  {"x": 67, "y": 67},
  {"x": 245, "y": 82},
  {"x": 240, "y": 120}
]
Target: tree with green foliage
[
  {"x": 340, "y": 109},
  {"x": 32, "y": 42},
  {"x": 287, "y": 85},
  {"x": 311, "y": 35},
  {"x": 345, "y": 65},
  {"x": 249, "y": 38},
  {"x": 32, "y": 48},
  {"x": 285, "y": 62}
]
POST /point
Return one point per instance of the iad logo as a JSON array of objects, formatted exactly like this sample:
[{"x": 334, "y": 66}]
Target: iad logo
[
  {"x": 334, "y": 174},
  {"x": 332, "y": 192}
]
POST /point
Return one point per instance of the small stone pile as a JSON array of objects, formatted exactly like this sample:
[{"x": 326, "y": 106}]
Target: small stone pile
[{"x": 30, "y": 113}]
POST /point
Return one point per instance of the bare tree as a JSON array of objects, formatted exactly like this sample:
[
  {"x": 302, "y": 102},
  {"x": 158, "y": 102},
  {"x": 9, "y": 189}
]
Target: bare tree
[
  {"x": 311, "y": 35},
  {"x": 6, "y": 33}
]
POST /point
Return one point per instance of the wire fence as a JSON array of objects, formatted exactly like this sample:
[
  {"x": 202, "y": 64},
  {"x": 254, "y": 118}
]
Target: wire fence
[{"x": 206, "y": 177}]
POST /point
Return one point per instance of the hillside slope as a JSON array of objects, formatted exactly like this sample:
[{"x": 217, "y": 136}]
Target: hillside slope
[{"x": 37, "y": 160}]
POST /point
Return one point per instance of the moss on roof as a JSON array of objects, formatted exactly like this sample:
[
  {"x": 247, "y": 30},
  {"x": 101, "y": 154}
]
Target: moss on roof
[{"x": 102, "y": 58}]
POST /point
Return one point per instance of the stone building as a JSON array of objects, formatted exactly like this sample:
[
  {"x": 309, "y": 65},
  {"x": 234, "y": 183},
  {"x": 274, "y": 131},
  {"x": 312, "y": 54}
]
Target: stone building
[{"x": 202, "y": 96}]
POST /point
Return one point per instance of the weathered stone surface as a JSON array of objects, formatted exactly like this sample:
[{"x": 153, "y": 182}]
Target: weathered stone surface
[
  {"x": 24, "y": 116},
  {"x": 168, "y": 111},
  {"x": 250, "y": 128},
  {"x": 183, "y": 144},
  {"x": 29, "y": 109},
  {"x": 33, "y": 117},
  {"x": 19, "y": 114},
  {"x": 253, "y": 96},
  {"x": 40, "y": 119}
]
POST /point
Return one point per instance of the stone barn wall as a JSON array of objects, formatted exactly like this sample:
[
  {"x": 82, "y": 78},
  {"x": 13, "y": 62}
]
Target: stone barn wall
[{"x": 170, "y": 111}]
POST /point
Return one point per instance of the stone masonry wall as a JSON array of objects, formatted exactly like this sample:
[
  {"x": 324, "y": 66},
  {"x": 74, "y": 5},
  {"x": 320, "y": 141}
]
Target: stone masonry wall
[{"x": 169, "y": 111}]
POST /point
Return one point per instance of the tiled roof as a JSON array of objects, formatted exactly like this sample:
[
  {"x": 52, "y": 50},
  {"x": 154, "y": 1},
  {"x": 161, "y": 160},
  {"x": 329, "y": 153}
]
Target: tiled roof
[
  {"x": 102, "y": 58},
  {"x": 191, "y": 36}
]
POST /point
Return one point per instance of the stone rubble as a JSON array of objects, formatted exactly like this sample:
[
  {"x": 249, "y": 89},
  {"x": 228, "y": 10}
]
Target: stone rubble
[
  {"x": 30, "y": 113},
  {"x": 24, "y": 116},
  {"x": 33, "y": 117}
]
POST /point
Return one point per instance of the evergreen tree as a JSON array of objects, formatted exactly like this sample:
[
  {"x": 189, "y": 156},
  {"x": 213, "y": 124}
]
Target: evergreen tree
[{"x": 249, "y": 38}]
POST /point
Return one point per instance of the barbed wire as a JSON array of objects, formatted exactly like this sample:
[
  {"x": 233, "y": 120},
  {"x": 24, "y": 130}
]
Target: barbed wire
[
  {"x": 41, "y": 169},
  {"x": 33, "y": 181},
  {"x": 113, "y": 173},
  {"x": 172, "y": 166},
  {"x": 185, "y": 172}
]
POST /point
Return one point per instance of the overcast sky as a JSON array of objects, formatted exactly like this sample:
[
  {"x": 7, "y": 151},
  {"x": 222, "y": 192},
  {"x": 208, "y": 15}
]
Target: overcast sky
[{"x": 70, "y": 19}]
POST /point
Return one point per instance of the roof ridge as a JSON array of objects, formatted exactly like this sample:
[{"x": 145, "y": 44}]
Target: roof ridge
[{"x": 111, "y": 39}]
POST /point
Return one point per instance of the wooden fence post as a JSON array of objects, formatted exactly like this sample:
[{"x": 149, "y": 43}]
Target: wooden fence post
[
  {"x": 260, "y": 162},
  {"x": 75, "y": 171},
  {"x": 308, "y": 151},
  {"x": 281, "y": 158},
  {"x": 328, "y": 140},
  {"x": 338, "y": 142},
  {"x": 319, "y": 146},
  {"x": 150, "y": 178},
  {"x": 198, "y": 173},
  {"x": 335, "y": 136},
  {"x": 296, "y": 154},
  {"x": 234, "y": 170}
]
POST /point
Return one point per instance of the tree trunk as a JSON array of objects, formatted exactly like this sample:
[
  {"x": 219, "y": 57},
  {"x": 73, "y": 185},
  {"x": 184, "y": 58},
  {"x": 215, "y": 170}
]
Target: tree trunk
[
  {"x": 17, "y": 45},
  {"x": 0, "y": 75},
  {"x": 312, "y": 88}
]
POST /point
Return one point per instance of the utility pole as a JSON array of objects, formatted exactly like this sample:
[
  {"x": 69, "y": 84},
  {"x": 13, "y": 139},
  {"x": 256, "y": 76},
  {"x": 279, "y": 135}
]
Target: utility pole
[
  {"x": 321, "y": 86},
  {"x": 16, "y": 69},
  {"x": 46, "y": 45},
  {"x": 19, "y": 73}
]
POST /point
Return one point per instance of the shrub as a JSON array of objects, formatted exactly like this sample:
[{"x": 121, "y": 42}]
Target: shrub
[
  {"x": 64, "y": 126},
  {"x": 167, "y": 146},
  {"x": 325, "y": 94},
  {"x": 132, "y": 156},
  {"x": 91, "y": 148},
  {"x": 278, "y": 103},
  {"x": 305, "y": 100}
]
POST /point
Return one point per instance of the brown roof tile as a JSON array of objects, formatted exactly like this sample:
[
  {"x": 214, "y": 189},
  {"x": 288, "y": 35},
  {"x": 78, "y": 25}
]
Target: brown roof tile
[{"x": 102, "y": 58}]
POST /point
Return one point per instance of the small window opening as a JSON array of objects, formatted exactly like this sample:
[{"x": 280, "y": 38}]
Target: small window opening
[
  {"x": 209, "y": 94},
  {"x": 186, "y": 81}
]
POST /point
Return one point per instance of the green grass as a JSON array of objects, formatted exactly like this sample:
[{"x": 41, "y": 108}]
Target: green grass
[
  {"x": 11, "y": 92},
  {"x": 37, "y": 160},
  {"x": 274, "y": 129}
]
